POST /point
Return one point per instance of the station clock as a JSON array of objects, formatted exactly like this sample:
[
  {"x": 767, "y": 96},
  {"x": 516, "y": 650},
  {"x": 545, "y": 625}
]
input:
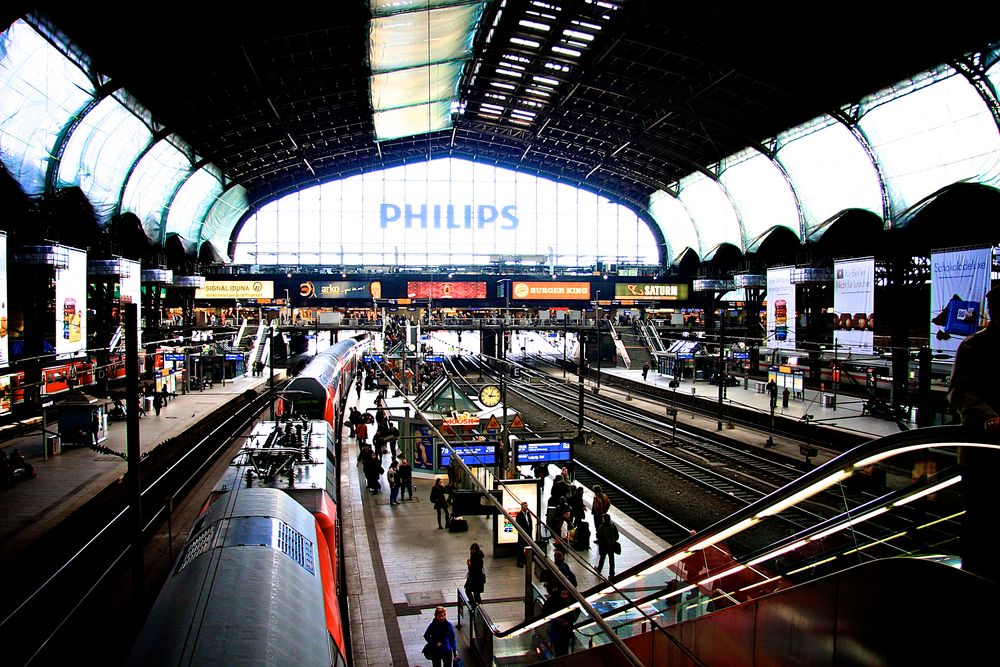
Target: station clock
[{"x": 489, "y": 395}]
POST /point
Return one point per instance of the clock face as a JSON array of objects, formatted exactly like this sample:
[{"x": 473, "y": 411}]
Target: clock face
[{"x": 489, "y": 395}]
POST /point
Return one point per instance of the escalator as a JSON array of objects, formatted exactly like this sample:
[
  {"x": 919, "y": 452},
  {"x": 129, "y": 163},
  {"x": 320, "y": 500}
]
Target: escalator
[{"x": 875, "y": 579}]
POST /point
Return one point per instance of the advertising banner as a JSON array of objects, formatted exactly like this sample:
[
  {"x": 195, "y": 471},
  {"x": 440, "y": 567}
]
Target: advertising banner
[
  {"x": 960, "y": 280},
  {"x": 71, "y": 305},
  {"x": 423, "y": 447},
  {"x": 854, "y": 304},
  {"x": 130, "y": 288},
  {"x": 236, "y": 289},
  {"x": 446, "y": 290},
  {"x": 526, "y": 291},
  {"x": 780, "y": 308},
  {"x": 515, "y": 491},
  {"x": 651, "y": 291},
  {"x": 4, "y": 340},
  {"x": 340, "y": 289}
]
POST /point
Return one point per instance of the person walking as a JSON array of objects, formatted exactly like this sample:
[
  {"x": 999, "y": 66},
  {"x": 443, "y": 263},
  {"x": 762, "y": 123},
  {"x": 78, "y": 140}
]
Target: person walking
[
  {"x": 442, "y": 646},
  {"x": 439, "y": 498},
  {"x": 392, "y": 476},
  {"x": 157, "y": 403},
  {"x": 645, "y": 371},
  {"x": 357, "y": 388},
  {"x": 600, "y": 506},
  {"x": 523, "y": 519},
  {"x": 607, "y": 544},
  {"x": 361, "y": 431},
  {"x": 475, "y": 579},
  {"x": 405, "y": 479}
]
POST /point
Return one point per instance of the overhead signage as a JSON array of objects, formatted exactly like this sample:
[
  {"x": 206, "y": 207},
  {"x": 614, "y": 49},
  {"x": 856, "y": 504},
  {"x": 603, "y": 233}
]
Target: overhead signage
[
  {"x": 447, "y": 216},
  {"x": 446, "y": 290},
  {"x": 545, "y": 451},
  {"x": 434, "y": 358},
  {"x": 741, "y": 355},
  {"x": 484, "y": 454},
  {"x": 173, "y": 356},
  {"x": 236, "y": 289},
  {"x": 340, "y": 289},
  {"x": 959, "y": 282},
  {"x": 234, "y": 357},
  {"x": 369, "y": 358},
  {"x": 652, "y": 291},
  {"x": 464, "y": 419},
  {"x": 542, "y": 290}
]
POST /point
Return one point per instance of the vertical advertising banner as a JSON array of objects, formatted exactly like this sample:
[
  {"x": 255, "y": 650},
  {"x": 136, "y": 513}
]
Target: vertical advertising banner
[
  {"x": 780, "y": 308},
  {"x": 71, "y": 305},
  {"x": 4, "y": 340},
  {"x": 960, "y": 280},
  {"x": 854, "y": 304},
  {"x": 130, "y": 288}
]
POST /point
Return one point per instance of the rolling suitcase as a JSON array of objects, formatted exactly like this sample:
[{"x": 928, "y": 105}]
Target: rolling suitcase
[{"x": 458, "y": 525}]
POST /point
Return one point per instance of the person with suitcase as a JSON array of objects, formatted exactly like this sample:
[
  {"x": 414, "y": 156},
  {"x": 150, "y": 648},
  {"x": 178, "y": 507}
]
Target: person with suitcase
[{"x": 439, "y": 498}]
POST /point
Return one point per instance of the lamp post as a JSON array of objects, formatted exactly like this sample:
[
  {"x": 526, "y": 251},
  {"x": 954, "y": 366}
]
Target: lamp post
[{"x": 597, "y": 321}]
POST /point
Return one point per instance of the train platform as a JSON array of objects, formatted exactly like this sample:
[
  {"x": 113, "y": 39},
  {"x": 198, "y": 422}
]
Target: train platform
[
  {"x": 400, "y": 566},
  {"x": 846, "y": 417},
  {"x": 66, "y": 481}
]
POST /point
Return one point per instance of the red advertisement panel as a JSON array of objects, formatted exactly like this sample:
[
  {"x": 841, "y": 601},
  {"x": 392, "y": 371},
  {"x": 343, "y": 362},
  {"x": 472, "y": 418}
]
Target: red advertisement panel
[{"x": 446, "y": 290}]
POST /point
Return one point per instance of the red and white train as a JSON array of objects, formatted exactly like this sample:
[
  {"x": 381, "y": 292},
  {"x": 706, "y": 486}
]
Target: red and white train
[{"x": 260, "y": 580}]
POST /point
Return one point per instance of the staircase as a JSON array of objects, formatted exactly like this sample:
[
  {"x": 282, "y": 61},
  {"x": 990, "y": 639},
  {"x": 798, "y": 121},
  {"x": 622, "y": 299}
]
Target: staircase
[{"x": 635, "y": 346}]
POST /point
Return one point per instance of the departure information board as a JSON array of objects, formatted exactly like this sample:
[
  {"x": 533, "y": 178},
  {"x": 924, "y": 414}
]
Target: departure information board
[
  {"x": 545, "y": 451},
  {"x": 484, "y": 454}
]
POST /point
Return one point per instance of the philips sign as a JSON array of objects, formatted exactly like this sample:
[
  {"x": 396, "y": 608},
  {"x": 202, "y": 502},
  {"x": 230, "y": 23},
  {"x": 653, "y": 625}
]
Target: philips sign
[{"x": 447, "y": 216}]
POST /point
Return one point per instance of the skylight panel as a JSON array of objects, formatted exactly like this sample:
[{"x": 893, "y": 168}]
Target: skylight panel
[
  {"x": 530, "y": 43},
  {"x": 587, "y": 37},
  {"x": 417, "y": 58},
  {"x": 415, "y": 85},
  {"x": 567, "y": 52},
  {"x": 408, "y": 121},
  {"x": 534, "y": 25}
]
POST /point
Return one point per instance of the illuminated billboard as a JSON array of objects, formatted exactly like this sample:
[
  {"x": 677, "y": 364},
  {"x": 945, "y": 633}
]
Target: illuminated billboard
[
  {"x": 4, "y": 340},
  {"x": 71, "y": 304},
  {"x": 340, "y": 289},
  {"x": 130, "y": 289},
  {"x": 540, "y": 290},
  {"x": 854, "y": 304},
  {"x": 236, "y": 289},
  {"x": 446, "y": 290},
  {"x": 780, "y": 308},
  {"x": 960, "y": 280},
  {"x": 652, "y": 291}
]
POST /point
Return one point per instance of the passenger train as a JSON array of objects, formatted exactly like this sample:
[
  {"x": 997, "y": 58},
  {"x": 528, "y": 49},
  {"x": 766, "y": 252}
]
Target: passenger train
[{"x": 260, "y": 579}]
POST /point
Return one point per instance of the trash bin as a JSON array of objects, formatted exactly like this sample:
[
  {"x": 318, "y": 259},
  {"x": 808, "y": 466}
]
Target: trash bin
[
  {"x": 147, "y": 403},
  {"x": 829, "y": 400},
  {"x": 53, "y": 445}
]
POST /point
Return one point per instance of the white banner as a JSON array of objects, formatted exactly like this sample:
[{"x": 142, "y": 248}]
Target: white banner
[
  {"x": 960, "y": 280},
  {"x": 130, "y": 289},
  {"x": 4, "y": 340},
  {"x": 854, "y": 303},
  {"x": 780, "y": 308},
  {"x": 71, "y": 305}
]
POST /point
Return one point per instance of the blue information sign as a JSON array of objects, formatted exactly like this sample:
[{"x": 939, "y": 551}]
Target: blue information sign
[
  {"x": 741, "y": 355},
  {"x": 369, "y": 358},
  {"x": 234, "y": 357},
  {"x": 533, "y": 452},
  {"x": 434, "y": 357},
  {"x": 173, "y": 356},
  {"x": 484, "y": 454}
]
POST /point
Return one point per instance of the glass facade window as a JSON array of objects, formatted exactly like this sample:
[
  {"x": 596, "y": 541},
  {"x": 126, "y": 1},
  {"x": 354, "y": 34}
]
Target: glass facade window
[
  {"x": 151, "y": 186},
  {"x": 675, "y": 224},
  {"x": 712, "y": 212},
  {"x": 442, "y": 212}
]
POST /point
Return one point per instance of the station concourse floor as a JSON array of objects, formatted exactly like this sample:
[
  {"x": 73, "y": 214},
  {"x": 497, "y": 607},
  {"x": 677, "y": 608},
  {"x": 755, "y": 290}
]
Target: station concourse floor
[{"x": 400, "y": 566}]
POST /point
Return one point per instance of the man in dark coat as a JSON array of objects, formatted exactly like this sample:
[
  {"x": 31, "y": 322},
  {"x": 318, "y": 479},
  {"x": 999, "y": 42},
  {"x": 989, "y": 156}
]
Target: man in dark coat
[{"x": 523, "y": 519}]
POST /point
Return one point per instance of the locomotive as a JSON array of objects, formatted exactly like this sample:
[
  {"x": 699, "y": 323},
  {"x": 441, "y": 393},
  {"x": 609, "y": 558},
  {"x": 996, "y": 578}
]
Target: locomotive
[{"x": 260, "y": 578}]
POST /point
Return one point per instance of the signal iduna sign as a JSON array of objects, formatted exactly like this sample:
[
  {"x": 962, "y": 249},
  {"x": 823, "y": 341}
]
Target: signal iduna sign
[{"x": 236, "y": 289}]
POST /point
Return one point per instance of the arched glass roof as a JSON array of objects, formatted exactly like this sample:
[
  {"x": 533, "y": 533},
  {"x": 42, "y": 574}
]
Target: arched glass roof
[{"x": 924, "y": 134}]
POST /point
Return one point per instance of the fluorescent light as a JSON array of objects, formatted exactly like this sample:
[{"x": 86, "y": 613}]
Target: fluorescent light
[
  {"x": 929, "y": 490},
  {"x": 728, "y": 532},
  {"x": 525, "y": 42},
  {"x": 807, "y": 492}
]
